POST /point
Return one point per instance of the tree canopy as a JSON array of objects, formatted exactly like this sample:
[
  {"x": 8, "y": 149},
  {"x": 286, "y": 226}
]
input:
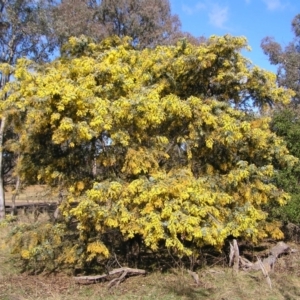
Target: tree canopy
[
  {"x": 150, "y": 143},
  {"x": 24, "y": 32},
  {"x": 37, "y": 30},
  {"x": 285, "y": 123},
  {"x": 148, "y": 22},
  {"x": 285, "y": 120},
  {"x": 287, "y": 59}
]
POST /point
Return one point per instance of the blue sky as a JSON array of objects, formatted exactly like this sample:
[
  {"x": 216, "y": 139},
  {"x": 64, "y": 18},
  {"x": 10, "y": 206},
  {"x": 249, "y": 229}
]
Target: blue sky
[{"x": 254, "y": 19}]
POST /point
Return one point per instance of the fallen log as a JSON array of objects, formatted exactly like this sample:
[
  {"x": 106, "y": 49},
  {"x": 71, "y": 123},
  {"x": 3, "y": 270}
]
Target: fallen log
[
  {"x": 268, "y": 262},
  {"x": 115, "y": 276},
  {"x": 266, "y": 265},
  {"x": 265, "y": 272}
]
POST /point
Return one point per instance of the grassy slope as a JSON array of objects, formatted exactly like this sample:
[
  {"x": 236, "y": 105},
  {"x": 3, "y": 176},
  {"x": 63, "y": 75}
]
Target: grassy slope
[{"x": 216, "y": 283}]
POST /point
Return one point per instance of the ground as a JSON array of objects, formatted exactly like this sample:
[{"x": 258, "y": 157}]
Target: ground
[{"x": 217, "y": 281}]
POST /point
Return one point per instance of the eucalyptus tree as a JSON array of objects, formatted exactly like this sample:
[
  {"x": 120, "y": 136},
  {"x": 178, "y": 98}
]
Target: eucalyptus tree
[
  {"x": 287, "y": 59},
  {"x": 148, "y": 22},
  {"x": 75, "y": 18},
  {"x": 24, "y": 32}
]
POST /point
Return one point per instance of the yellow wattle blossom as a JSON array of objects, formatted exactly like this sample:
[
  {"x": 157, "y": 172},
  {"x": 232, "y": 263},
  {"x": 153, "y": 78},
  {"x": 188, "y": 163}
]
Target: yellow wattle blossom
[{"x": 148, "y": 143}]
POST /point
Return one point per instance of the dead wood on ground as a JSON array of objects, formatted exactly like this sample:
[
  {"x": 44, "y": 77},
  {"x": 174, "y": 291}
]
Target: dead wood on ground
[
  {"x": 266, "y": 265},
  {"x": 115, "y": 276}
]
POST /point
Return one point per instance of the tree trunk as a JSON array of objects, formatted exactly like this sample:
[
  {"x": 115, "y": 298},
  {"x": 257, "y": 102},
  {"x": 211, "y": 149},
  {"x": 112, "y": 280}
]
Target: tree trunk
[
  {"x": 14, "y": 196},
  {"x": 2, "y": 195}
]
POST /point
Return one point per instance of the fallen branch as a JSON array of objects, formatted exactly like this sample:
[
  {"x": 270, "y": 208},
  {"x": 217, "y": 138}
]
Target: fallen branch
[
  {"x": 118, "y": 280},
  {"x": 245, "y": 263},
  {"x": 280, "y": 248},
  {"x": 195, "y": 276},
  {"x": 266, "y": 266},
  {"x": 275, "y": 252},
  {"x": 121, "y": 274},
  {"x": 234, "y": 255},
  {"x": 265, "y": 272}
]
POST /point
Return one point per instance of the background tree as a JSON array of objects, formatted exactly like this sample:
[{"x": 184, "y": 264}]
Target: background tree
[
  {"x": 24, "y": 32},
  {"x": 76, "y": 18},
  {"x": 151, "y": 144},
  {"x": 285, "y": 120},
  {"x": 148, "y": 23},
  {"x": 287, "y": 59},
  {"x": 286, "y": 123}
]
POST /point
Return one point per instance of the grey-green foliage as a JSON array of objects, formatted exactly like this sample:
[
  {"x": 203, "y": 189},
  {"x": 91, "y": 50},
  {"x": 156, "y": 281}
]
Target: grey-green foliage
[
  {"x": 148, "y": 22},
  {"x": 286, "y": 58},
  {"x": 25, "y": 30}
]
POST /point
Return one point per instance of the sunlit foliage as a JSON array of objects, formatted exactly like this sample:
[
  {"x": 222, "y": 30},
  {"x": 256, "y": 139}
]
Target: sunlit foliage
[{"x": 156, "y": 143}]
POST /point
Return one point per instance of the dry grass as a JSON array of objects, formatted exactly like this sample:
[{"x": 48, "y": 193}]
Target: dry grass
[{"x": 31, "y": 194}]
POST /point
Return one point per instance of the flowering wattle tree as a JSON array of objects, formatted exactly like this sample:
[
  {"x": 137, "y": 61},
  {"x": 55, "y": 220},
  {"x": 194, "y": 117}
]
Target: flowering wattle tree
[{"x": 155, "y": 144}]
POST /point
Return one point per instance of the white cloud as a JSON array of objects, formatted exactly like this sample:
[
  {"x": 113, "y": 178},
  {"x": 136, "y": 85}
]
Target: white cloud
[
  {"x": 200, "y": 6},
  {"x": 218, "y": 16},
  {"x": 274, "y": 4},
  {"x": 187, "y": 9},
  {"x": 193, "y": 9}
]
